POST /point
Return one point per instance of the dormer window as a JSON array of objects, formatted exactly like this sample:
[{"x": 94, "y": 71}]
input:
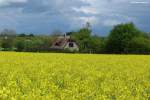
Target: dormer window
[
  {"x": 56, "y": 44},
  {"x": 71, "y": 44}
]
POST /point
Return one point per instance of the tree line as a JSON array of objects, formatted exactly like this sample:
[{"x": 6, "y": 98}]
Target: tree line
[{"x": 122, "y": 39}]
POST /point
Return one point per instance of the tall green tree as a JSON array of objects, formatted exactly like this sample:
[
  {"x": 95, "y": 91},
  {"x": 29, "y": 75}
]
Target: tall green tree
[
  {"x": 83, "y": 38},
  {"x": 120, "y": 36}
]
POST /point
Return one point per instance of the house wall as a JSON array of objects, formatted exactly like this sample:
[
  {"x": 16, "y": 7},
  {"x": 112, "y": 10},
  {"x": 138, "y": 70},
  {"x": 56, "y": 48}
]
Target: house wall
[{"x": 74, "y": 48}]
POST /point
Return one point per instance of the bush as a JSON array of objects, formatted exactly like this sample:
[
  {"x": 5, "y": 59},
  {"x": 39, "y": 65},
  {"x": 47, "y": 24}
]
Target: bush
[
  {"x": 20, "y": 45},
  {"x": 7, "y": 44},
  {"x": 139, "y": 45}
]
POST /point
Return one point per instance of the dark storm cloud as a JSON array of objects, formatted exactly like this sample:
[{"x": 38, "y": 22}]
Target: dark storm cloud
[{"x": 44, "y": 16}]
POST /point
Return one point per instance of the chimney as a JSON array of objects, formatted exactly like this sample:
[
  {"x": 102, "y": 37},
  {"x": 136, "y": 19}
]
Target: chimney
[{"x": 65, "y": 35}]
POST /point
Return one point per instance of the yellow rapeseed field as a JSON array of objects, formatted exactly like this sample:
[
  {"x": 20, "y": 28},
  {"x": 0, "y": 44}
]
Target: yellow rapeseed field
[{"x": 50, "y": 76}]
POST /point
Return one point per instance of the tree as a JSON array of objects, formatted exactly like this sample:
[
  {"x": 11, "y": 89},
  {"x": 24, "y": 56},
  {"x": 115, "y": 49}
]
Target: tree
[
  {"x": 119, "y": 37},
  {"x": 7, "y": 44},
  {"x": 22, "y": 35},
  {"x": 7, "y": 33},
  {"x": 88, "y": 25},
  {"x": 97, "y": 44},
  {"x": 83, "y": 38},
  {"x": 32, "y": 45},
  {"x": 20, "y": 44},
  {"x": 139, "y": 45},
  {"x": 46, "y": 42},
  {"x": 7, "y": 37},
  {"x": 70, "y": 33},
  {"x": 31, "y": 35}
]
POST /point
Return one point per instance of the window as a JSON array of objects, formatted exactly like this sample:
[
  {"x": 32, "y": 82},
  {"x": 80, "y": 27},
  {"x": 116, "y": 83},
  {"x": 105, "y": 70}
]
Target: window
[
  {"x": 71, "y": 44},
  {"x": 57, "y": 44}
]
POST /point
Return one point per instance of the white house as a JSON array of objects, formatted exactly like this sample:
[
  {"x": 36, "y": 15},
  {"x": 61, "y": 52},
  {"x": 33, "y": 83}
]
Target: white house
[{"x": 64, "y": 43}]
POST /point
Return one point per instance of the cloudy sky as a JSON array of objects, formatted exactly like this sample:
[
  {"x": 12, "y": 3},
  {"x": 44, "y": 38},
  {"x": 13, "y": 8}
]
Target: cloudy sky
[{"x": 44, "y": 16}]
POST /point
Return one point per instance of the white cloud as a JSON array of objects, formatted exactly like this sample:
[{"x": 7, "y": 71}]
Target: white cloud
[
  {"x": 7, "y": 2},
  {"x": 3, "y": 1},
  {"x": 139, "y": 2},
  {"x": 86, "y": 10},
  {"x": 82, "y": 20},
  {"x": 111, "y": 22}
]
